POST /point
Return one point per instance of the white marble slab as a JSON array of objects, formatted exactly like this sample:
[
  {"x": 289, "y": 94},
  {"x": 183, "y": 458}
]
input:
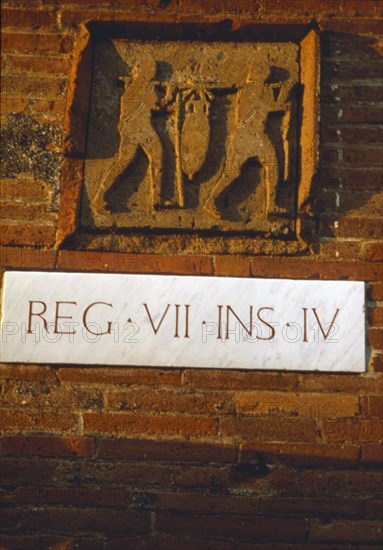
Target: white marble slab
[{"x": 173, "y": 321}]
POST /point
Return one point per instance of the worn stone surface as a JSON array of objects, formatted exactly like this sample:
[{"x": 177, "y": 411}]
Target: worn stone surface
[
  {"x": 193, "y": 135},
  {"x": 28, "y": 146}
]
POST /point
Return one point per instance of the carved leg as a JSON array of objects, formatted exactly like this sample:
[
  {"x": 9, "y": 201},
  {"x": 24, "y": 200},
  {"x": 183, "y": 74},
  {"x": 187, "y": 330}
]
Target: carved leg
[{"x": 116, "y": 169}]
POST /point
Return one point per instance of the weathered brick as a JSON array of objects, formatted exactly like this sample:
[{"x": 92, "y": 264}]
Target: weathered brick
[
  {"x": 365, "y": 228},
  {"x": 375, "y": 338},
  {"x": 374, "y": 508},
  {"x": 240, "y": 527},
  {"x": 173, "y": 451},
  {"x": 373, "y": 251},
  {"x": 28, "y": 212},
  {"x": 148, "y": 399},
  {"x": 336, "y": 248},
  {"x": 156, "y": 542},
  {"x": 31, "y": 542},
  {"x": 60, "y": 519},
  {"x": 333, "y": 507},
  {"x": 27, "y": 233},
  {"x": 36, "y": 421},
  {"x": 27, "y": 373},
  {"x": 136, "y": 476},
  {"x": 135, "y": 263},
  {"x": 29, "y": 18},
  {"x": 270, "y": 429},
  {"x": 340, "y": 484},
  {"x": 17, "y": 470},
  {"x": 300, "y": 454},
  {"x": 372, "y": 453},
  {"x": 307, "y": 405},
  {"x": 341, "y": 383},
  {"x": 352, "y": 430},
  {"x": 207, "y": 502},
  {"x": 34, "y": 86},
  {"x": 345, "y": 530},
  {"x": 375, "y": 316},
  {"x": 235, "y": 266},
  {"x": 39, "y": 64},
  {"x": 15, "y": 256},
  {"x": 372, "y": 405},
  {"x": 46, "y": 446},
  {"x": 376, "y": 362},
  {"x": 72, "y": 496},
  {"x": 234, "y": 380},
  {"x": 27, "y": 42},
  {"x": 375, "y": 291},
  {"x": 124, "y": 375},
  {"x": 120, "y": 423}
]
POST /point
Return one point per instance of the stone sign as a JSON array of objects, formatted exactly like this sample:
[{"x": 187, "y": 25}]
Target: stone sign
[
  {"x": 182, "y": 321},
  {"x": 194, "y": 136}
]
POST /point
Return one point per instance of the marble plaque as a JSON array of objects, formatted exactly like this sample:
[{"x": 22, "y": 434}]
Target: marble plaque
[{"x": 182, "y": 321}]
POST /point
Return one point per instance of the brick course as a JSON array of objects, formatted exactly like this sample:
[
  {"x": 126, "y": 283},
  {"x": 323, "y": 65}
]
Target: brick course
[{"x": 113, "y": 458}]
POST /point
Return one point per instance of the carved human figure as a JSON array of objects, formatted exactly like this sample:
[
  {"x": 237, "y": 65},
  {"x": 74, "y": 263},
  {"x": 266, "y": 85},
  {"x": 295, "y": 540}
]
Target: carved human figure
[
  {"x": 255, "y": 100},
  {"x": 139, "y": 100}
]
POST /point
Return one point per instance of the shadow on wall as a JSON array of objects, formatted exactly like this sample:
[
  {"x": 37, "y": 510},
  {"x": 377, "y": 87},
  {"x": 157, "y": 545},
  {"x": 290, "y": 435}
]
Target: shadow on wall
[{"x": 118, "y": 493}]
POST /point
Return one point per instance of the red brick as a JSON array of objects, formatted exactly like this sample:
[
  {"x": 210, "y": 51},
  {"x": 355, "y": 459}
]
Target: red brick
[
  {"x": 119, "y": 423},
  {"x": 16, "y": 470},
  {"x": 353, "y": 155},
  {"x": 300, "y": 454},
  {"x": 45, "y": 446},
  {"x": 39, "y": 64},
  {"x": 363, "y": 134},
  {"x": 155, "y": 543},
  {"x": 274, "y": 429},
  {"x": 162, "y": 400},
  {"x": 373, "y": 251},
  {"x": 375, "y": 338},
  {"x": 135, "y": 263},
  {"x": 137, "y": 476},
  {"x": 57, "y": 397},
  {"x": 351, "y": 93},
  {"x": 207, "y": 502},
  {"x": 27, "y": 234},
  {"x": 363, "y": 203},
  {"x": 374, "y": 508},
  {"x": 375, "y": 291},
  {"x": 352, "y": 430},
  {"x": 25, "y": 189},
  {"x": 124, "y": 375},
  {"x": 353, "y": 113},
  {"x": 340, "y": 484},
  {"x": 29, "y": 212},
  {"x": 330, "y": 507},
  {"x": 27, "y": 42},
  {"x": 345, "y": 531},
  {"x": 306, "y": 405},
  {"x": 34, "y": 86},
  {"x": 372, "y": 405},
  {"x": 60, "y": 519},
  {"x": 347, "y": 250},
  {"x": 366, "y": 228},
  {"x": 31, "y": 542},
  {"x": 234, "y": 266},
  {"x": 376, "y": 362},
  {"x": 72, "y": 496},
  {"x": 234, "y": 380},
  {"x": 375, "y": 316},
  {"x": 372, "y": 453},
  {"x": 27, "y": 373},
  {"x": 309, "y": 269},
  {"x": 29, "y": 18},
  {"x": 173, "y": 451},
  {"x": 238, "y": 527},
  {"x": 36, "y": 421},
  {"x": 341, "y": 382}
]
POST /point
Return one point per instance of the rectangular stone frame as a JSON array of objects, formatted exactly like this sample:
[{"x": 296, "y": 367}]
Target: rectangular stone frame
[{"x": 69, "y": 235}]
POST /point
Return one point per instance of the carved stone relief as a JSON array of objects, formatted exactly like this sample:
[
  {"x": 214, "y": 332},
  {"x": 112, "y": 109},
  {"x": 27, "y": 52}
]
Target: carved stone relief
[{"x": 194, "y": 136}]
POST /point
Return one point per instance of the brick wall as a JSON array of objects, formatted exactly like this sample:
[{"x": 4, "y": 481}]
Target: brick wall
[{"x": 120, "y": 458}]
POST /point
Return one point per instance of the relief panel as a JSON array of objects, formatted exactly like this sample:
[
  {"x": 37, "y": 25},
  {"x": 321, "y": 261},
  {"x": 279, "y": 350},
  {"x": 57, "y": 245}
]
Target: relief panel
[{"x": 201, "y": 136}]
